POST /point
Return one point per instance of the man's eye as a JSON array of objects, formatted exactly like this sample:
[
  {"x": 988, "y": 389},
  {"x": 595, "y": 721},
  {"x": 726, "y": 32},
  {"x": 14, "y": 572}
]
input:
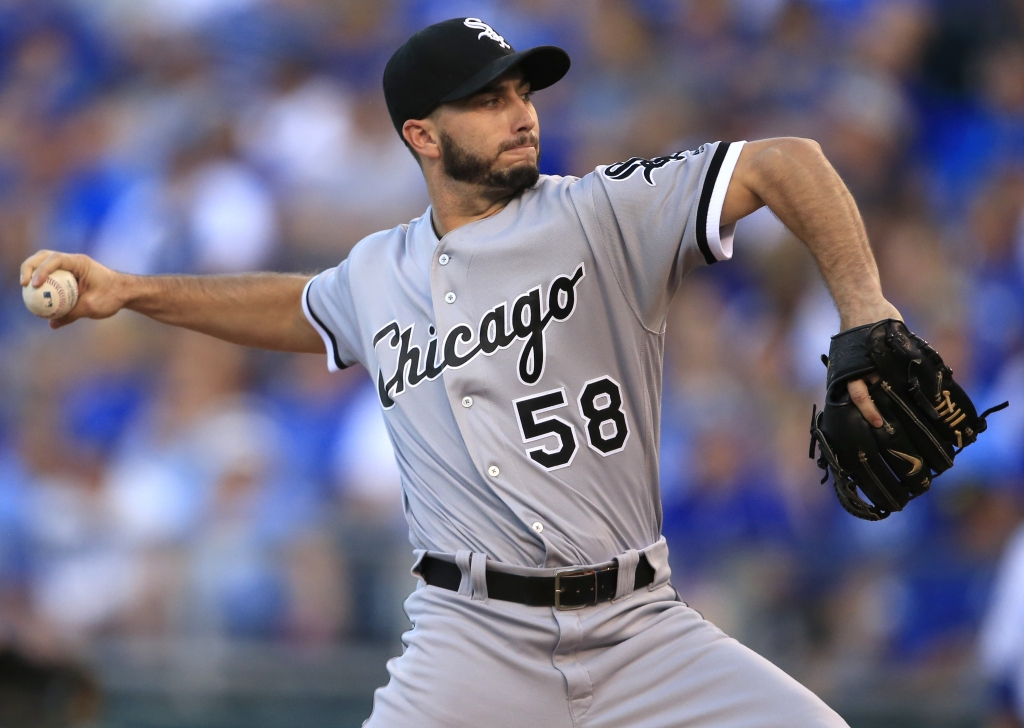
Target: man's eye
[{"x": 527, "y": 96}]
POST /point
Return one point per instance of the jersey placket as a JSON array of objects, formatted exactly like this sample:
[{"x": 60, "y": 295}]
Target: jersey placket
[
  {"x": 453, "y": 306},
  {"x": 455, "y": 300}
]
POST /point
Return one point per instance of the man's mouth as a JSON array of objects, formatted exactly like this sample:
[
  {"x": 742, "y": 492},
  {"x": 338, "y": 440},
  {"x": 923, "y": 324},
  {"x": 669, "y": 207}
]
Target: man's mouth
[{"x": 520, "y": 144}]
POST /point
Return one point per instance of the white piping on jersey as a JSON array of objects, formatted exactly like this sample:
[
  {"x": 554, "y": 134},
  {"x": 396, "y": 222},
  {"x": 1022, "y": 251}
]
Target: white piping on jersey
[{"x": 719, "y": 238}]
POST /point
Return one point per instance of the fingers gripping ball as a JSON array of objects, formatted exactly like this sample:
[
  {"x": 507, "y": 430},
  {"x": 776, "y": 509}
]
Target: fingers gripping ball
[
  {"x": 54, "y": 298},
  {"x": 927, "y": 419}
]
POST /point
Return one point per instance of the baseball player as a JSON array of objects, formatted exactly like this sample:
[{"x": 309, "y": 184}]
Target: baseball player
[{"x": 515, "y": 332}]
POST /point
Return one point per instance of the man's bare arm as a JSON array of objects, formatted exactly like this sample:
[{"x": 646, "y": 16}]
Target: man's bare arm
[
  {"x": 797, "y": 183},
  {"x": 262, "y": 310},
  {"x": 795, "y": 180}
]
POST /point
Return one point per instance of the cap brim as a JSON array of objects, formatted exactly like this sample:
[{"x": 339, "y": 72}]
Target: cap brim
[{"x": 543, "y": 66}]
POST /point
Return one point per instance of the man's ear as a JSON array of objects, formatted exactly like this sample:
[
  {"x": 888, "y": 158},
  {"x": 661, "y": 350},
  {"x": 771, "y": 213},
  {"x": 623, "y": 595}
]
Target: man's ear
[{"x": 421, "y": 136}]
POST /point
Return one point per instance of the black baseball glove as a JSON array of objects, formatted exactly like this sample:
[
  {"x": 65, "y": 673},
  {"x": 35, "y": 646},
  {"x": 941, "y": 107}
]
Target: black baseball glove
[{"x": 928, "y": 418}]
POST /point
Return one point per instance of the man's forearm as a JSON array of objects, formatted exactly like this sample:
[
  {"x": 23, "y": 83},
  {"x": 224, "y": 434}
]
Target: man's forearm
[
  {"x": 797, "y": 183},
  {"x": 261, "y": 310}
]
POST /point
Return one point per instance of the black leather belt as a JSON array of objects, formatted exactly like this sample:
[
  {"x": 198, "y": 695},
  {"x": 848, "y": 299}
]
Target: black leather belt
[{"x": 568, "y": 589}]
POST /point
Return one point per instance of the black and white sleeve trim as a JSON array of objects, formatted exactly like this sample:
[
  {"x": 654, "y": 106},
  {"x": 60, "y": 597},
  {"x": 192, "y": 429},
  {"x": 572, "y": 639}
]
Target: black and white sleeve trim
[
  {"x": 334, "y": 362},
  {"x": 713, "y": 240}
]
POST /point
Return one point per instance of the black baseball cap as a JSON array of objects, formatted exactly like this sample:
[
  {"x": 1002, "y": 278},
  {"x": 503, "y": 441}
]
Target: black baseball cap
[{"x": 454, "y": 59}]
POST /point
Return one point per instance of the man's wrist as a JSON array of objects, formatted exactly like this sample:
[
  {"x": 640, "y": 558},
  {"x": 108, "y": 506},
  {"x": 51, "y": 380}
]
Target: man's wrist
[
  {"x": 129, "y": 291},
  {"x": 851, "y": 317}
]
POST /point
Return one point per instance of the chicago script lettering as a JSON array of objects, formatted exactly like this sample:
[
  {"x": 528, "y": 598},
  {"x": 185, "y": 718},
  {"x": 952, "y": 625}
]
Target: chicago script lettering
[{"x": 528, "y": 321}]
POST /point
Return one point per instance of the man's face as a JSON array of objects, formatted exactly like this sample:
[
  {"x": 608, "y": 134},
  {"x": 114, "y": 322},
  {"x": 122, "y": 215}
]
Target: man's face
[{"x": 491, "y": 138}]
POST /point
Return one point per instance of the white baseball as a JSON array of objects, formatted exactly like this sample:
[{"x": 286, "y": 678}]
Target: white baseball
[{"x": 54, "y": 298}]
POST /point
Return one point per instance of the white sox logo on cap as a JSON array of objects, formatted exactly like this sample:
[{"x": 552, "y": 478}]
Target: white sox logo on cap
[{"x": 486, "y": 30}]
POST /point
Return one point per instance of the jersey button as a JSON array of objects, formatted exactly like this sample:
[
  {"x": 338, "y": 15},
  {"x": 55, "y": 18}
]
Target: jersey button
[
  {"x": 493, "y": 471},
  {"x": 449, "y": 297},
  {"x": 467, "y": 402},
  {"x": 443, "y": 259},
  {"x": 538, "y": 526}
]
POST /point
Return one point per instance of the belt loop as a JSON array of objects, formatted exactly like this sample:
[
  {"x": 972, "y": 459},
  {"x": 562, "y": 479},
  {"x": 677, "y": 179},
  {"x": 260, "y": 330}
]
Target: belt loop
[
  {"x": 627, "y": 574},
  {"x": 417, "y": 555},
  {"x": 462, "y": 558},
  {"x": 657, "y": 557},
  {"x": 478, "y": 577}
]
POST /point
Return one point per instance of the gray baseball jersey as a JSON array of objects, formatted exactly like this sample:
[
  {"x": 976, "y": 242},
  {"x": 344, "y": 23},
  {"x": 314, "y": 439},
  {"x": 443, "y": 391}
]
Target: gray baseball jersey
[{"x": 518, "y": 359}]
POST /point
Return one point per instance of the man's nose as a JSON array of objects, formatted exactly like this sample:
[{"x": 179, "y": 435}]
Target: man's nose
[{"x": 524, "y": 120}]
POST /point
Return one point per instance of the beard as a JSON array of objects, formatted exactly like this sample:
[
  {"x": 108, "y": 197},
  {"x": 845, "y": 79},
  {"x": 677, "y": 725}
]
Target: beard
[{"x": 463, "y": 165}]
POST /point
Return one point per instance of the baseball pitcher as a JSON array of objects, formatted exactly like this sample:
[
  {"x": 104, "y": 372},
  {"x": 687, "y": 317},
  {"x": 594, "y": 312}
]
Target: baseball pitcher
[{"x": 515, "y": 333}]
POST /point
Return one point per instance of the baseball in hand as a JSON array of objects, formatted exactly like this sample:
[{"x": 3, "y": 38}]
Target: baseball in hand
[{"x": 54, "y": 298}]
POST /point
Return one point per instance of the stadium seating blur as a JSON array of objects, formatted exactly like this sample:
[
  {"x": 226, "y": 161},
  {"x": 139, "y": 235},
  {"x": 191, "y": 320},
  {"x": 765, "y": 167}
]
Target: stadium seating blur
[{"x": 218, "y": 532}]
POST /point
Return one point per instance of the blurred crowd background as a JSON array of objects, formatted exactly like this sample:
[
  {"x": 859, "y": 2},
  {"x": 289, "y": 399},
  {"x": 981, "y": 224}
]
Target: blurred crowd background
[{"x": 194, "y": 523}]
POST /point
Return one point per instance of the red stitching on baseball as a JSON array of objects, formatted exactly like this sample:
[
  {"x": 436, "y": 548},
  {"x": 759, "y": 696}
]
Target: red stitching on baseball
[{"x": 60, "y": 292}]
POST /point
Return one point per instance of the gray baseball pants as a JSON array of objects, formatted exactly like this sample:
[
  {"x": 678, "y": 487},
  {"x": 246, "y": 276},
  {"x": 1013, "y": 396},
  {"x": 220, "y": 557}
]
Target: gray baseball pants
[{"x": 644, "y": 660}]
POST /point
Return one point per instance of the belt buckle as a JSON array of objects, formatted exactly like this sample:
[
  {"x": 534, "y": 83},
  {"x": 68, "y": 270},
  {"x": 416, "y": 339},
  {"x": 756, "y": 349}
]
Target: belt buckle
[{"x": 558, "y": 588}]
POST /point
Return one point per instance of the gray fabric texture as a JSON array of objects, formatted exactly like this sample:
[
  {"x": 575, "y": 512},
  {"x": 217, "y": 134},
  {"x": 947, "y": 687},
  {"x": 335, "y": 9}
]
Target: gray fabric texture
[
  {"x": 645, "y": 662},
  {"x": 471, "y": 396}
]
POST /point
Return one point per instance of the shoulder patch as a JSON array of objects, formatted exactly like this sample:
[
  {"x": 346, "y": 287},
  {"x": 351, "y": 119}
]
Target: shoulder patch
[{"x": 624, "y": 170}]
